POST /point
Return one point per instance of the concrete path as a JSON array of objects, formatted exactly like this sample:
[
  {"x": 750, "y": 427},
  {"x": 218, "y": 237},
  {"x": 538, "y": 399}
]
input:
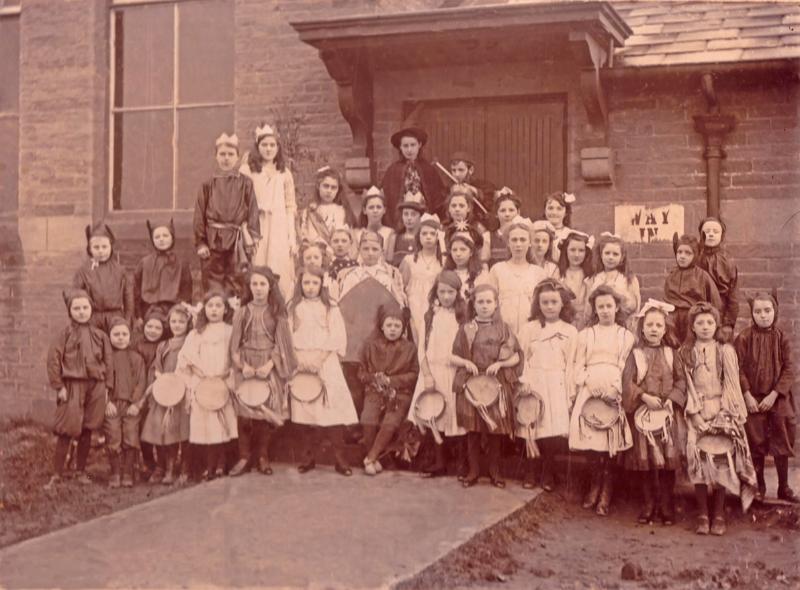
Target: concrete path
[{"x": 318, "y": 530}]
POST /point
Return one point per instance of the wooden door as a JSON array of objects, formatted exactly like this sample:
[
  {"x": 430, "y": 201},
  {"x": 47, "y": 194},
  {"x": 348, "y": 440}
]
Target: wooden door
[{"x": 519, "y": 142}]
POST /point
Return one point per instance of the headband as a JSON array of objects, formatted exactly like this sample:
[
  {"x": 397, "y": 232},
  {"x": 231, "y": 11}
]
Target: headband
[{"x": 665, "y": 308}]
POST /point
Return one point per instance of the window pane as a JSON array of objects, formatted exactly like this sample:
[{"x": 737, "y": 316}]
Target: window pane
[
  {"x": 197, "y": 130},
  {"x": 143, "y": 160},
  {"x": 143, "y": 55},
  {"x": 205, "y": 51},
  {"x": 9, "y": 163},
  {"x": 9, "y": 64}
]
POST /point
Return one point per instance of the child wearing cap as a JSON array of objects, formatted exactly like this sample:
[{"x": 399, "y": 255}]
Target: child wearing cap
[
  {"x": 404, "y": 240},
  {"x": 226, "y": 221},
  {"x": 411, "y": 173},
  {"x": 125, "y": 401},
  {"x": 273, "y": 184},
  {"x": 388, "y": 370},
  {"x": 79, "y": 369},
  {"x": 161, "y": 278},
  {"x": 688, "y": 284},
  {"x": 766, "y": 376},
  {"x": 104, "y": 279}
]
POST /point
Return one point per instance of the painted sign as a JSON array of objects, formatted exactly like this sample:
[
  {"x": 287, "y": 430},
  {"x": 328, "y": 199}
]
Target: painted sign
[{"x": 635, "y": 223}]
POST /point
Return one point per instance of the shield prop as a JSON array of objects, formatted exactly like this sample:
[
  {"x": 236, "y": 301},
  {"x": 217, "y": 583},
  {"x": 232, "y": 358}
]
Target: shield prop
[{"x": 359, "y": 307}]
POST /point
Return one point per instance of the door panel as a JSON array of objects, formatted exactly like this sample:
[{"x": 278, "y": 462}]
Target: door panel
[{"x": 515, "y": 142}]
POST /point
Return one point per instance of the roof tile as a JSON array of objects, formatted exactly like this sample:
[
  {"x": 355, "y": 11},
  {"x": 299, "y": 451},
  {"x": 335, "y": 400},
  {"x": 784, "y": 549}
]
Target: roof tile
[
  {"x": 650, "y": 10},
  {"x": 791, "y": 19},
  {"x": 640, "y": 39},
  {"x": 726, "y": 33},
  {"x": 771, "y": 53},
  {"x": 721, "y": 55},
  {"x": 770, "y": 31},
  {"x": 775, "y": 8},
  {"x": 750, "y": 21},
  {"x": 740, "y": 43},
  {"x": 791, "y": 40},
  {"x": 695, "y": 25}
]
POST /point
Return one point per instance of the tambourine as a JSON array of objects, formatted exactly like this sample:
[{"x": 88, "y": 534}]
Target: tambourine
[
  {"x": 254, "y": 393},
  {"x": 598, "y": 414},
  {"x": 212, "y": 394},
  {"x": 652, "y": 421},
  {"x": 168, "y": 390},
  {"x": 428, "y": 407},
  {"x": 715, "y": 443},
  {"x": 528, "y": 409},
  {"x": 483, "y": 391},
  {"x": 306, "y": 387}
]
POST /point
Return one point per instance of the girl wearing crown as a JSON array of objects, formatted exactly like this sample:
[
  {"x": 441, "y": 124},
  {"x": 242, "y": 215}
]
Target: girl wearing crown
[{"x": 273, "y": 182}]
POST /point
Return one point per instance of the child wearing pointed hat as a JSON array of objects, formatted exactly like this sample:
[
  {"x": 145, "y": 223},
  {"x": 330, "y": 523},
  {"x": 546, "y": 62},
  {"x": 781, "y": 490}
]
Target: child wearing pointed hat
[
  {"x": 688, "y": 284},
  {"x": 104, "y": 279},
  {"x": 227, "y": 222},
  {"x": 411, "y": 173},
  {"x": 766, "y": 376},
  {"x": 79, "y": 369},
  {"x": 161, "y": 278}
]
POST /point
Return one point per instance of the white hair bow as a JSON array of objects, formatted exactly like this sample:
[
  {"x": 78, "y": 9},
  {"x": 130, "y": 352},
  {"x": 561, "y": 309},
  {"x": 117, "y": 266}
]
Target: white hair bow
[
  {"x": 569, "y": 198},
  {"x": 503, "y": 192},
  {"x": 651, "y": 303},
  {"x": 234, "y": 303},
  {"x": 543, "y": 225},
  {"x": 608, "y": 234}
]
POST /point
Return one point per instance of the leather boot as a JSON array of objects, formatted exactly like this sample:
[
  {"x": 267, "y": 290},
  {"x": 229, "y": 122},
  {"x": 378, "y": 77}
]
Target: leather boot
[
  {"x": 128, "y": 460},
  {"x": 590, "y": 499},
  {"x": 666, "y": 498},
  {"x": 113, "y": 481},
  {"x": 648, "y": 499},
  {"x": 170, "y": 454},
  {"x": 606, "y": 491}
]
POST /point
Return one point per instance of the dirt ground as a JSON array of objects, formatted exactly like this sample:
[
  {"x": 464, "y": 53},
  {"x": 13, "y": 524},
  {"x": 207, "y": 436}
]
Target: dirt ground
[
  {"x": 27, "y": 510},
  {"x": 552, "y": 543}
]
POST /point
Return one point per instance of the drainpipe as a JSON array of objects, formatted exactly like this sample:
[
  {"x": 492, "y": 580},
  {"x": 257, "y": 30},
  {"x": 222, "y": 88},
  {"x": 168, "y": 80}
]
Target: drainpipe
[{"x": 713, "y": 126}]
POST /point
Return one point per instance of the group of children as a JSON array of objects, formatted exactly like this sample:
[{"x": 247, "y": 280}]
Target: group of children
[{"x": 467, "y": 322}]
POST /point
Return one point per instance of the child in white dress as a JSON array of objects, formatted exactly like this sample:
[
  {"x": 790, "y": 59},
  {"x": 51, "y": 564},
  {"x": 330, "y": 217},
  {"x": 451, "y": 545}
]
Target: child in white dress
[
  {"x": 601, "y": 352},
  {"x": 205, "y": 356},
  {"x": 446, "y": 311},
  {"x": 516, "y": 278},
  {"x": 319, "y": 339},
  {"x": 612, "y": 268},
  {"x": 275, "y": 194},
  {"x": 548, "y": 345},
  {"x": 419, "y": 271}
]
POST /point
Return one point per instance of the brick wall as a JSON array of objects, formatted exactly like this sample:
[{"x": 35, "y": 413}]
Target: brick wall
[{"x": 658, "y": 154}]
